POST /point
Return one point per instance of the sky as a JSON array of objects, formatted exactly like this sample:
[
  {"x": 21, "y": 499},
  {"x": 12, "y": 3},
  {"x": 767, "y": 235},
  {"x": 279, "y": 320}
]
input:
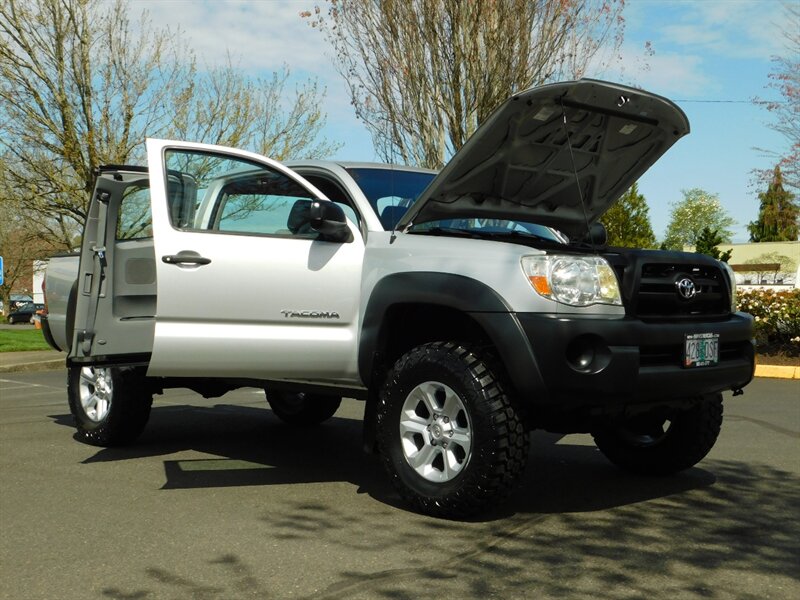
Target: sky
[{"x": 712, "y": 57}]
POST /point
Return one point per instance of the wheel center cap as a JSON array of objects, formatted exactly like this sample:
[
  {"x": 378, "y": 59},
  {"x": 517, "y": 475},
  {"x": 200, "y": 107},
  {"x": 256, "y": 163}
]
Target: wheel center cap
[{"x": 436, "y": 431}]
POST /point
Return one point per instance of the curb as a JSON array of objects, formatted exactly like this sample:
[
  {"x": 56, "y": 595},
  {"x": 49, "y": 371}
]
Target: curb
[
  {"x": 777, "y": 372},
  {"x": 42, "y": 365}
]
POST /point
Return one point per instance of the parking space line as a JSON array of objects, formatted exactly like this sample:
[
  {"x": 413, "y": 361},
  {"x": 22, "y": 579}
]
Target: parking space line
[
  {"x": 23, "y": 384},
  {"x": 7, "y": 409},
  {"x": 20, "y": 384},
  {"x": 40, "y": 393}
]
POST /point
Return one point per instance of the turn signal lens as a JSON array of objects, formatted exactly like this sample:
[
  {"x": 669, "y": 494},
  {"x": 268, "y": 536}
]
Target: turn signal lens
[{"x": 540, "y": 284}]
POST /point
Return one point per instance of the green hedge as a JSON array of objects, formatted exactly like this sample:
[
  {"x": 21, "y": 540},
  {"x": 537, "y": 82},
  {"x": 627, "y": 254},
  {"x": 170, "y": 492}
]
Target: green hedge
[{"x": 777, "y": 316}]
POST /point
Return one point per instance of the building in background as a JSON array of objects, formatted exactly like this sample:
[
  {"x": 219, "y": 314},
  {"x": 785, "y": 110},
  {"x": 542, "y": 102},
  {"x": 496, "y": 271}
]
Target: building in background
[
  {"x": 38, "y": 281},
  {"x": 765, "y": 264}
]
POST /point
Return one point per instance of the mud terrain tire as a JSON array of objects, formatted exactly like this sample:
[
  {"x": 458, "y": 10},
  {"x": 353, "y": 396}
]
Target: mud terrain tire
[{"x": 449, "y": 436}]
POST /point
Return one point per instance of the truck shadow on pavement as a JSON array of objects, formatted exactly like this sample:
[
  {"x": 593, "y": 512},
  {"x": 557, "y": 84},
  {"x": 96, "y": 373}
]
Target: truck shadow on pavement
[
  {"x": 254, "y": 448},
  {"x": 575, "y": 527}
]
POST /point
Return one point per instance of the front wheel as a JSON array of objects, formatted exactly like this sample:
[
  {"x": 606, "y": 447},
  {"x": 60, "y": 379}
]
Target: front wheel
[
  {"x": 659, "y": 444},
  {"x": 110, "y": 405},
  {"x": 449, "y": 435}
]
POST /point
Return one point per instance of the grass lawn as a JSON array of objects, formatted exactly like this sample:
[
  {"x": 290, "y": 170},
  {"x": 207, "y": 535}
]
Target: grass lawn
[{"x": 24, "y": 339}]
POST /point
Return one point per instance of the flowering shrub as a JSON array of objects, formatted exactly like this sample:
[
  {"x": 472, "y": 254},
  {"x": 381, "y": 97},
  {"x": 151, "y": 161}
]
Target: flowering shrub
[{"x": 777, "y": 316}]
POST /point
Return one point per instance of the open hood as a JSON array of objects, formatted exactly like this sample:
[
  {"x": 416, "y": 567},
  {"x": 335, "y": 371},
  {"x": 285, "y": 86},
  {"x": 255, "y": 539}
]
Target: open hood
[{"x": 525, "y": 162}]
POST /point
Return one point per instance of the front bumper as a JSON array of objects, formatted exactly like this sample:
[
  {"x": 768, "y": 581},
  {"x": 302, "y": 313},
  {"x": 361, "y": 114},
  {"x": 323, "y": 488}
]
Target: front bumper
[{"x": 607, "y": 362}]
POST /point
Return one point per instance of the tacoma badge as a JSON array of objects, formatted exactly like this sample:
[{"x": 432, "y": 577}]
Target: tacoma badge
[{"x": 310, "y": 314}]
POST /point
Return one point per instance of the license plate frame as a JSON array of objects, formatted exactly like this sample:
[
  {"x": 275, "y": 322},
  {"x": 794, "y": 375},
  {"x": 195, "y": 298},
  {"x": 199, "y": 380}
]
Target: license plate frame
[{"x": 700, "y": 350}]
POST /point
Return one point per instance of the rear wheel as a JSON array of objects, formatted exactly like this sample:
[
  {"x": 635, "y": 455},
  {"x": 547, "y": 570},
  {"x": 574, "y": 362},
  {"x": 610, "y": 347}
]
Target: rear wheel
[
  {"x": 302, "y": 409},
  {"x": 449, "y": 435},
  {"x": 663, "y": 444},
  {"x": 110, "y": 405}
]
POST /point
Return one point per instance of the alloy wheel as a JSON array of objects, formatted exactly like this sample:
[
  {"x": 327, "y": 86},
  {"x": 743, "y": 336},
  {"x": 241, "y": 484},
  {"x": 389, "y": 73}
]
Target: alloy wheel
[{"x": 435, "y": 432}]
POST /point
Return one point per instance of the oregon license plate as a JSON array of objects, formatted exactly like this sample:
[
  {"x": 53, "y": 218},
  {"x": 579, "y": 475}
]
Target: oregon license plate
[{"x": 701, "y": 350}]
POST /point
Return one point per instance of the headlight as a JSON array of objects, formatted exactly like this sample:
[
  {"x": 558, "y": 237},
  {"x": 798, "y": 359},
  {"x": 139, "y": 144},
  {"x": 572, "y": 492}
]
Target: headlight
[
  {"x": 573, "y": 280},
  {"x": 732, "y": 280}
]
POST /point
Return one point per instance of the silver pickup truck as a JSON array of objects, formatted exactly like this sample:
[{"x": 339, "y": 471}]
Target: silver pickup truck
[{"x": 466, "y": 308}]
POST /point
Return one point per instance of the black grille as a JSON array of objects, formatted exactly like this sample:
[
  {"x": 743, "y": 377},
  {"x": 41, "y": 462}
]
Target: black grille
[{"x": 659, "y": 291}]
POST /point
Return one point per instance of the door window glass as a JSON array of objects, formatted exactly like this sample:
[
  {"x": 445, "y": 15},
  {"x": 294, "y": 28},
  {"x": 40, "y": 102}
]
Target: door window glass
[{"x": 215, "y": 193}]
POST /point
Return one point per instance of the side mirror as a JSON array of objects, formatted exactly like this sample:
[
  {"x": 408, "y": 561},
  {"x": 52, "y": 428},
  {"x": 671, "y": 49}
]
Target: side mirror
[
  {"x": 597, "y": 236},
  {"x": 325, "y": 217},
  {"x": 328, "y": 219}
]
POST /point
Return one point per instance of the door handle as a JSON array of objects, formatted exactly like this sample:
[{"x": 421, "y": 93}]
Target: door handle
[{"x": 187, "y": 257}]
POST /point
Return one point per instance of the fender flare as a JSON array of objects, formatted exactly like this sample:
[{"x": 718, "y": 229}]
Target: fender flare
[{"x": 467, "y": 295}]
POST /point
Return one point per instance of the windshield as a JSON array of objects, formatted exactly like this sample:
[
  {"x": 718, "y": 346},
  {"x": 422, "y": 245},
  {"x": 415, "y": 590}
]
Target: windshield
[
  {"x": 490, "y": 228},
  {"x": 390, "y": 191}
]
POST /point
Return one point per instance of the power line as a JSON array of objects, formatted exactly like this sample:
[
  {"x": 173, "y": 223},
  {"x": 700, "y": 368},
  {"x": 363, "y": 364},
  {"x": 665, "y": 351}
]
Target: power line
[{"x": 734, "y": 101}]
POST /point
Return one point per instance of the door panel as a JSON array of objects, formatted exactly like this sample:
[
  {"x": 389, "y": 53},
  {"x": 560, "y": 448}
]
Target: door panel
[
  {"x": 245, "y": 288},
  {"x": 115, "y": 307}
]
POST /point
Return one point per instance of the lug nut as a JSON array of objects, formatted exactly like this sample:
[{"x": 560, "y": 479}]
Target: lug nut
[{"x": 446, "y": 420}]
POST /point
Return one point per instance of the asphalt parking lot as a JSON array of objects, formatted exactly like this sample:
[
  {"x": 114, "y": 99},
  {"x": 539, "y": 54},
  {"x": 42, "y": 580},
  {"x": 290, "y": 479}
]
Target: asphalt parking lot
[{"x": 220, "y": 500}]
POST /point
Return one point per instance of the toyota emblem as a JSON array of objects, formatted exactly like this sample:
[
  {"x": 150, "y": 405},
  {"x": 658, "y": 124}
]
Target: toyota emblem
[{"x": 686, "y": 288}]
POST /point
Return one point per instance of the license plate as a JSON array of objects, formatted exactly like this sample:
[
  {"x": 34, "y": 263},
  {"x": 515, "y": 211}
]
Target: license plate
[{"x": 701, "y": 350}]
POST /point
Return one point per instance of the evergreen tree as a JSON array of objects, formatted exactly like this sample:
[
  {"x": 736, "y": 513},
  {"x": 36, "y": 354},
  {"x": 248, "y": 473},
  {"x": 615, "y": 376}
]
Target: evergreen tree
[
  {"x": 707, "y": 243},
  {"x": 628, "y": 221},
  {"x": 778, "y": 215}
]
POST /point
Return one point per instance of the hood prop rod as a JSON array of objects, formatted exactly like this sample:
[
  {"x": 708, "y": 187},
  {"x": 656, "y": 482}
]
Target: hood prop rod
[{"x": 577, "y": 178}]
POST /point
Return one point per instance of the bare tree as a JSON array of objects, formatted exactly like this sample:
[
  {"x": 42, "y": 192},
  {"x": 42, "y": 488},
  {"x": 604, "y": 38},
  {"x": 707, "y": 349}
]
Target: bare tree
[
  {"x": 423, "y": 74},
  {"x": 81, "y": 85},
  {"x": 79, "y": 89},
  {"x": 21, "y": 242},
  {"x": 228, "y": 108},
  {"x": 785, "y": 79},
  {"x": 20, "y": 245}
]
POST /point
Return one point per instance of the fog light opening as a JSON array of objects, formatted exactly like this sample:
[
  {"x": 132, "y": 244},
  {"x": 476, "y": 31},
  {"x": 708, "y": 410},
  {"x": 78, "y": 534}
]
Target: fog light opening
[{"x": 588, "y": 354}]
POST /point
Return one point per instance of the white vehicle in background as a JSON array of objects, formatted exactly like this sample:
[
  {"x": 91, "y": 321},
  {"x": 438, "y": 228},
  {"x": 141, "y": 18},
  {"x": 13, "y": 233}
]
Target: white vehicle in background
[{"x": 466, "y": 308}]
